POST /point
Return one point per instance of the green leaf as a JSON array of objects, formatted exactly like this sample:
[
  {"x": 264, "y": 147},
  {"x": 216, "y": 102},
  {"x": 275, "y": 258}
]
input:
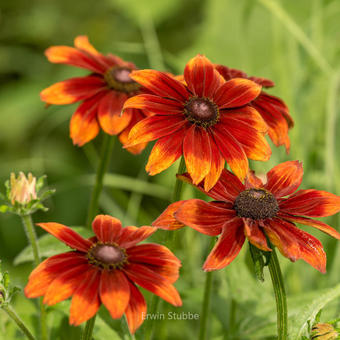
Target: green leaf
[
  {"x": 4, "y": 208},
  {"x": 48, "y": 246}
]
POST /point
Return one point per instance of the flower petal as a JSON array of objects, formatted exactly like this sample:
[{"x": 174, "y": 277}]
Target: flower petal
[
  {"x": 165, "y": 152},
  {"x": 65, "y": 284},
  {"x": 227, "y": 247},
  {"x": 161, "y": 84},
  {"x": 312, "y": 203},
  {"x": 206, "y": 218},
  {"x": 201, "y": 77},
  {"x": 136, "y": 309},
  {"x": 131, "y": 235},
  {"x": 236, "y": 92},
  {"x": 230, "y": 73},
  {"x": 107, "y": 228},
  {"x": 253, "y": 181},
  {"x": 295, "y": 243},
  {"x": 197, "y": 152},
  {"x": 153, "y": 282},
  {"x": 83, "y": 125},
  {"x": 71, "y": 56},
  {"x": 85, "y": 302},
  {"x": 72, "y": 90},
  {"x": 154, "y": 104},
  {"x": 155, "y": 127},
  {"x": 255, "y": 235},
  {"x": 67, "y": 235},
  {"x": 114, "y": 292},
  {"x": 110, "y": 116},
  {"x": 313, "y": 223},
  {"x": 42, "y": 276},
  {"x": 232, "y": 151},
  {"x": 167, "y": 219},
  {"x": 285, "y": 178}
]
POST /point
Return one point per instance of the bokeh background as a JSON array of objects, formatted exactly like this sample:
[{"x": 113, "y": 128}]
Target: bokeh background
[{"x": 294, "y": 43}]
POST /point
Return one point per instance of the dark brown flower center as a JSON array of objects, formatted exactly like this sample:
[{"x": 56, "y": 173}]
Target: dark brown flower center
[
  {"x": 201, "y": 111},
  {"x": 118, "y": 78},
  {"x": 257, "y": 204},
  {"x": 108, "y": 256}
]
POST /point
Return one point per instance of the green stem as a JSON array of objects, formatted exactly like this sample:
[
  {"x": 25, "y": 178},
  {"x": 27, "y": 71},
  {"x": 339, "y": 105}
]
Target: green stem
[
  {"x": 206, "y": 302},
  {"x": 125, "y": 329},
  {"x": 88, "y": 330},
  {"x": 14, "y": 316},
  {"x": 280, "y": 295},
  {"x": 32, "y": 238},
  {"x": 102, "y": 167},
  {"x": 179, "y": 184}
]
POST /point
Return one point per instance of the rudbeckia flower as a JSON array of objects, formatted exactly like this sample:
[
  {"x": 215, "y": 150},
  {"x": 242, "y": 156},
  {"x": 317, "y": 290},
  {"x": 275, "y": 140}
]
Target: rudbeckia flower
[
  {"x": 272, "y": 109},
  {"x": 206, "y": 119},
  {"x": 102, "y": 93},
  {"x": 255, "y": 210},
  {"x": 105, "y": 269}
]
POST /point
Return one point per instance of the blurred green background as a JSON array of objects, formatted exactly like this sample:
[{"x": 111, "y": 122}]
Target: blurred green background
[{"x": 294, "y": 43}]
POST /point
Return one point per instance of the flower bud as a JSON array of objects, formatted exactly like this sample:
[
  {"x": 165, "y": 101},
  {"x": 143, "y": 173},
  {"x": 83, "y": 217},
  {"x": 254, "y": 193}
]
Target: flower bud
[
  {"x": 324, "y": 331},
  {"x": 22, "y": 189}
]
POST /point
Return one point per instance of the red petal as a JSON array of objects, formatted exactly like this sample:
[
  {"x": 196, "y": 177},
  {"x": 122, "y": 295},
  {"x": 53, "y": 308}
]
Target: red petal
[
  {"x": 42, "y": 276},
  {"x": 136, "y": 309},
  {"x": 285, "y": 178},
  {"x": 217, "y": 165},
  {"x": 132, "y": 235},
  {"x": 312, "y": 203},
  {"x": 107, "y": 228},
  {"x": 313, "y": 223},
  {"x": 227, "y": 247},
  {"x": 295, "y": 243},
  {"x": 165, "y": 152},
  {"x": 85, "y": 302},
  {"x": 155, "y": 127},
  {"x": 114, "y": 292},
  {"x": 255, "y": 235},
  {"x": 67, "y": 235},
  {"x": 153, "y": 282},
  {"x": 264, "y": 82},
  {"x": 155, "y": 104},
  {"x": 110, "y": 114},
  {"x": 226, "y": 189},
  {"x": 201, "y": 77},
  {"x": 167, "y": 219},
  {"x": 230, "y": 73},
  {"x": 65, "y": 284},
  {"x": 157, "y": 258},
  {"x": 71, "y": 56},
  {"x": 206, "y": 218},
  {"x": 252, "y": 141},
  {"x": 232, "y": 151},
  {"x": 72, "y": 90},
  {"x": 84, "y": 126},
  {"x": 236, "y": 92},
  {"x": 197, "y": 152},
  {"x": 253, "y": 181},
  {"x": 161, "y": 84}
]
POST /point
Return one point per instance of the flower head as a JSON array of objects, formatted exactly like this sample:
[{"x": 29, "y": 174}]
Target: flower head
[
  {"x": 324, "y": 331},
  {"x": 254, "y": 210},
  {"x": 105, "y": 269},
  {"x": 102, "y": 93},
  {"x": 22, "y": 189},
  {"x": 206, "y": 119},
  {"x": 272, "y": 109}
]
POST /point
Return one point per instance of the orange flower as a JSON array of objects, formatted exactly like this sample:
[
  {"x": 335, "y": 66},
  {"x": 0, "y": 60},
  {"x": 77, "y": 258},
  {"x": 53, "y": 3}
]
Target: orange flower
[
  {"x": 255, "y": 210},
  {"x": 207, "y": 119},
  {"x": 272, "y": 109},
  {"x": 105, "y": 269},
  {"x": 102, "y": 93}
]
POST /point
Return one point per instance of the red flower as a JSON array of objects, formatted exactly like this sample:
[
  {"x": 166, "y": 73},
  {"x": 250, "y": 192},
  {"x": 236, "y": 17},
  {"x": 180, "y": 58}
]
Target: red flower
[
  {"x": 253, "y": 210},
  {"x": 272, "y": 109},
  {"x": 102, "y": 93},
  {"x": 105, "y": 269},
  {"x": 207, "y": 120}
]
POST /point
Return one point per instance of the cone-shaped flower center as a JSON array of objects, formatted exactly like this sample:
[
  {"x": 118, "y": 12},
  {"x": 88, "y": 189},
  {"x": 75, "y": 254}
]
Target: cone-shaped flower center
[
  {"x": 108, "y": 256},
  {"x": 118, "y": 78},
  {"x": 256, "y": 204},
  {"x": 201, "y": 111}
]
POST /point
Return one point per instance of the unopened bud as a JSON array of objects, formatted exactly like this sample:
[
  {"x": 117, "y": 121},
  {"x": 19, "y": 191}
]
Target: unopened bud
[
  {"x": 324, "y": 331},
  {"x": 22, "y": 189}
]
